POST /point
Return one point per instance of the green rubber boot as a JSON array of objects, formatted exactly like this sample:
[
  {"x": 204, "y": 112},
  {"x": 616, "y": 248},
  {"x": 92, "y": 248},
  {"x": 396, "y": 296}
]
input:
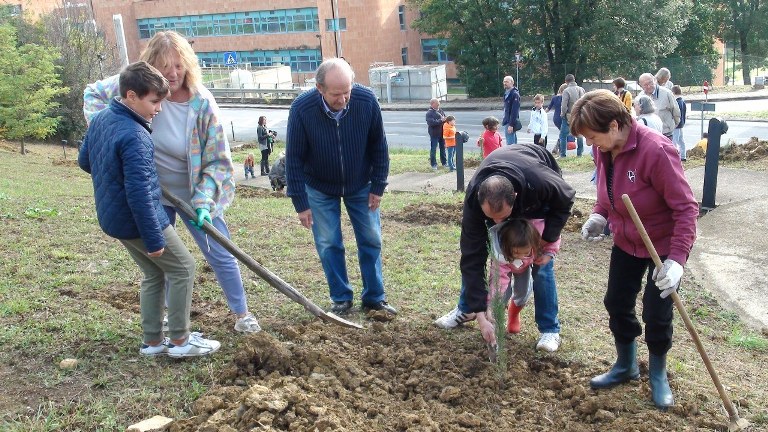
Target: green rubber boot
[
  {"x": 623, "y": 370},
  {"x": 660, "y": 391}
]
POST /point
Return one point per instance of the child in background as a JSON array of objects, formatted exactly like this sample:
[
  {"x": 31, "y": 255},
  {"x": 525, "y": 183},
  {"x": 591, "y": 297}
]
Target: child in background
[
  {"x": 677, "y": 132},
  {"x": 538, "y": 124},
  {"x": 516, "y": 246},
  {"x": 449, "y": 135},
  {"x": 702, "y": 144},
  {"x": 128, "y": 208},
  {"x": 248, "y": 165},
  {"x": 491, "y": 140}
]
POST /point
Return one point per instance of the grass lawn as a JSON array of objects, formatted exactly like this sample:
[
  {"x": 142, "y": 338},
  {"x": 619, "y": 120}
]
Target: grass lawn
[{"x": 69, "y": 291}]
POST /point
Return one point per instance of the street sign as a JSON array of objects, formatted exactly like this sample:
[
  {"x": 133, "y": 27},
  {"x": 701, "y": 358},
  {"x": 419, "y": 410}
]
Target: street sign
[
  {"x": 700, "y": 106},
  {"x": 230, "y": 58},
  {"x": 398, "y": 79}
]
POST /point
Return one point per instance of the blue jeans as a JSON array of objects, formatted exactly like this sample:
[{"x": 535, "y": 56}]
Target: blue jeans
[
  {"x": 326, "y": 228},
  {"x": 565, "y": 130},
  {"x": 452, "y": 158},
  {"x": 434, "y": 142},
  {"x": 222, "y": 262},
  {"x": 510, "y": 137},
  {"x": 679, "y": 142},
  {"x": 544, "y": 299}
]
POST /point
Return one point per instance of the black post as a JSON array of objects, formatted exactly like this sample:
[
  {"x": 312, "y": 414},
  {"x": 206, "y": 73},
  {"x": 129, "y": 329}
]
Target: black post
[
  {"x": 233, "y": 130},
  {"x": 460, "y": 167},
  {"x": 717, "y": 127},
  {"x": 64, "y": 147}
]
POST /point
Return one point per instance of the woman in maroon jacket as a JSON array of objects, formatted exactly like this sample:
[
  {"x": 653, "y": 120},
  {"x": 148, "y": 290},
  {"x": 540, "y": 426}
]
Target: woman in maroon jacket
[{"x": 635, "y": 160}]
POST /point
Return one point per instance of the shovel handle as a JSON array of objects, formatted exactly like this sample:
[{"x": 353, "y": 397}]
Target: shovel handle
[
  {"x": 263, "y": 272},
  {"x": 732, "y": 413}
]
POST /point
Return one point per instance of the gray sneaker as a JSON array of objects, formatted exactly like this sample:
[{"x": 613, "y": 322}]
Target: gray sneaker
[
  {"x": 195, "y": 346},
  {"x": 454, "y": 318}
]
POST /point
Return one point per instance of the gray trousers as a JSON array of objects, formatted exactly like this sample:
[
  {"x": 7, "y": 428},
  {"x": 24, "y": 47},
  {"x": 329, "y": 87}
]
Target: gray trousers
[{"x": 178, "y": 266}]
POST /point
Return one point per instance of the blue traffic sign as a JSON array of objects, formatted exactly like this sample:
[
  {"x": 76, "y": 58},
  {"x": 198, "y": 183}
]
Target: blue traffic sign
[{"x": 230, "y": 58}]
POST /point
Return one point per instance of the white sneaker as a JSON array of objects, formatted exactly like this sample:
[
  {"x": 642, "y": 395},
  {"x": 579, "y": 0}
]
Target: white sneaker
[
  {"x": 195, "y": 346},
  {"x": 247, "y": 324},
  {"x": 548, "y": 342},
  {"x": 160, "y": 349},
  {"x": 454, "y": 318}
]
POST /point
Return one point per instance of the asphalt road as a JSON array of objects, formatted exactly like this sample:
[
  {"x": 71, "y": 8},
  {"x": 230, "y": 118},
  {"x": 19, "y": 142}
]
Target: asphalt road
[{"x": 407, "y": 129}]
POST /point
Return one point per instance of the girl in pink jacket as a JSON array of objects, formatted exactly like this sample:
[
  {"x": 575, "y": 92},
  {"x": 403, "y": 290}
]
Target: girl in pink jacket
[{"x": 515, "y": 246}]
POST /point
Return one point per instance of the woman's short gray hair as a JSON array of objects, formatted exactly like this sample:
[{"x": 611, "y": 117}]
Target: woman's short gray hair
[{"x": 646, "y": 104}]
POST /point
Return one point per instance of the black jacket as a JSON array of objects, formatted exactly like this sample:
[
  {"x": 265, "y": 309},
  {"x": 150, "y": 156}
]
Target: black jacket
[{"x": 541, "y": 194}]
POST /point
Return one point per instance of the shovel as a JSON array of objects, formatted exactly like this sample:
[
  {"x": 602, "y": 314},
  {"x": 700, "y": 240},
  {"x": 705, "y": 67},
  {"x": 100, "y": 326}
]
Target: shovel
[
  {"x": 257, "y": 268},
  {"x": 734, "y": 422}
]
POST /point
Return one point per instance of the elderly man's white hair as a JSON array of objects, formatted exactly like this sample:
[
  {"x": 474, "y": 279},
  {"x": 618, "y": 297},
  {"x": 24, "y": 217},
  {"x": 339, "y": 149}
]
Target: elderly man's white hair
[
  {"x": 646, "y": 76},
  {"x": 332, "y": 64}
]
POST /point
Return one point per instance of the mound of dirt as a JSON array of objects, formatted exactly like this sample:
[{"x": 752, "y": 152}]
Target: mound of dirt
[
  {"x": 396, "y": 377},
  {"x": 752, "y": 150}
]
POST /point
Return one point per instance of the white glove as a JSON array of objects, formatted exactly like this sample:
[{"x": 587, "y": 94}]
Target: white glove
[
  {"x": 593, "y": 228},
  {"x": 668, "y": 277}
]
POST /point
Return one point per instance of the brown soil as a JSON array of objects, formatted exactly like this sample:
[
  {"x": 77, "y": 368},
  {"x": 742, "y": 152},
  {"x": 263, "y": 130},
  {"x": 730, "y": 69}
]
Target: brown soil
[
  {"x": 394, "y": 376},
  {"x": 397, "y": 377},
  {"x": 752, "y": 150}
]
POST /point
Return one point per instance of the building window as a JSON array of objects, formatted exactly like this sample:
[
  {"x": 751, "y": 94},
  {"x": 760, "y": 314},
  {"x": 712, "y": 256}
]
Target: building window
[
  {"x": 10, "y": 10},
  {"x": 404, "y": 55},
  {"x": 401, "y": 15},
  {"x": 434, "y": 51},
  {"x": 341, "y": 24},
  {"x": 239, "y": 23},
  {"x": 300, "y": 60}
]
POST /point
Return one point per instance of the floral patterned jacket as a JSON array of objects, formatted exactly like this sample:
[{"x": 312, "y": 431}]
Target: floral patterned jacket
[{"x": 211, "y": 172}]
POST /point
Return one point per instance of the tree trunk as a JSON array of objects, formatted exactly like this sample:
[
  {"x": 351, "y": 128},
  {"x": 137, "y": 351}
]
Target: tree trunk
[
  {"x": 745, "y": 60},
  {"x": 23, "y": 149}
]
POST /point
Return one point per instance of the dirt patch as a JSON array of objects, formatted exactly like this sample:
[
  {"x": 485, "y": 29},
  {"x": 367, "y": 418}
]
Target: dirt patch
[
  {"x": 429, "y": 214},
  {"x": 65, "y": 162},
  {"x": 255, "y": 192},
  {"x": 435, "y": 214},
  {"x": 396, "y": 377}
]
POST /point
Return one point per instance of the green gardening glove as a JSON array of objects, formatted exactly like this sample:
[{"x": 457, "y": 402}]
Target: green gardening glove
[{"x": 203, "y": 215}]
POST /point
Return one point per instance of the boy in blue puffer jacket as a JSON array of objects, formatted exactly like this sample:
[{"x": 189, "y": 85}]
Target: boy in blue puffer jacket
[{"x": 119, "y": 154}]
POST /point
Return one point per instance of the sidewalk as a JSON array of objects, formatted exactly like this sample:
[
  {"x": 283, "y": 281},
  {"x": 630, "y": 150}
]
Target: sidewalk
[
  {"x": 490, "y": 104},
  {"x": 729, "y": 258}
]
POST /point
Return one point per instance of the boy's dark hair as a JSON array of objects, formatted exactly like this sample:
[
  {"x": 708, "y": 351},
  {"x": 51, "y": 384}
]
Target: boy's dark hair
[
  {"x": 619, "y": 82},
  {"x": 677, "y": 90},
  {"x": 517, "y": 233},
  {"x": 490, "y": 122},
  {"x": 449, "y": 118},
  {"x": 142, "y": 78}
]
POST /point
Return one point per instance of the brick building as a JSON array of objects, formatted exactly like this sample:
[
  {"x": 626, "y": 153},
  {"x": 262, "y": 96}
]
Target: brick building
[{"x": 298, "y": 33}]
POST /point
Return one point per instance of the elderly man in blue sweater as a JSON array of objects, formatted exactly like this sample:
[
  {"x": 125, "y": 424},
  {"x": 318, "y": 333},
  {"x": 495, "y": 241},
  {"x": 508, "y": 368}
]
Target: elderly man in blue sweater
[{"x": 336, "y": 151}]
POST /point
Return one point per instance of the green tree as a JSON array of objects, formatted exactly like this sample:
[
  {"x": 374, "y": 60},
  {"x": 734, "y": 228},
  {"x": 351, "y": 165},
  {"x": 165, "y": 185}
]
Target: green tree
[
  {"x": 695, "y": 57},
  {"x": 593, "y": 39},
  {"x": 481, "y": 39},
  {"x": 28, "y": 85},
  {"x": 745, "y": 22},
  {"x": 84, "y": 57}
]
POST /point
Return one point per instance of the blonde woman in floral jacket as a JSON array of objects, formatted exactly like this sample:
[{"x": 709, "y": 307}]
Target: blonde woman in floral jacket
[{"x": 192, "y": 156}]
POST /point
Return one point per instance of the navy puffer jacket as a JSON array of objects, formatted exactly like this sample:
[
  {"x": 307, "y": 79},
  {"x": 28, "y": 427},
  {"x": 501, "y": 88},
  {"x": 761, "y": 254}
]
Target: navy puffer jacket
[{"x": 119, "y": 155}]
